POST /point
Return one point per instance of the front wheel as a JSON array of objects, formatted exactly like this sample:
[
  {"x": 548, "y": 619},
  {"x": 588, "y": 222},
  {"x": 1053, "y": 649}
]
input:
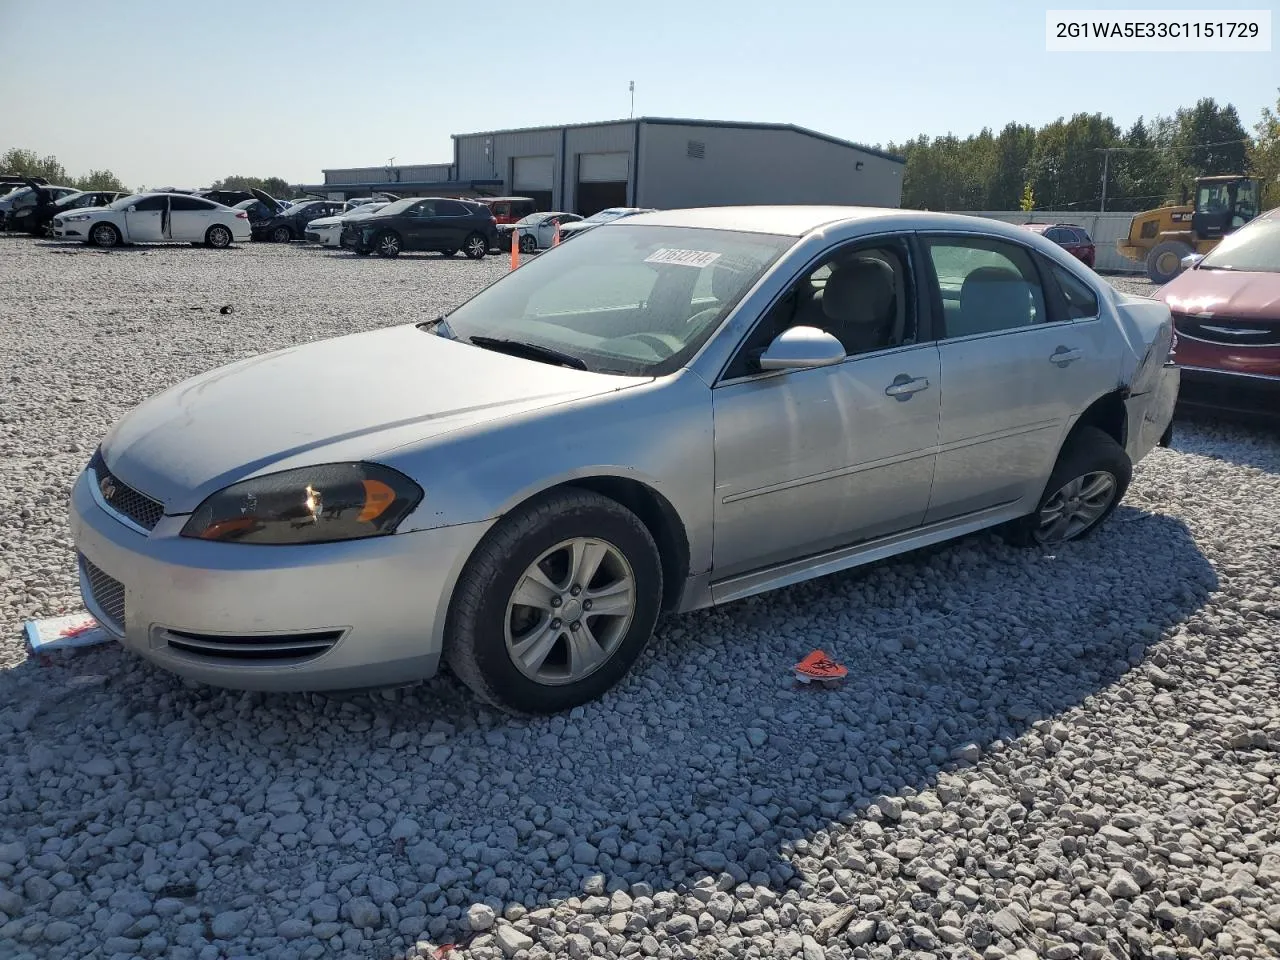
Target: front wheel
[
  {"x": 281, "y": 235},
  {"x": 555, "y": 605},
  {"x": 387, "y": 244},
  {"x": 475, "y": 246},
  {"x": 104, "y": 235},
  {"x": 1087, "y": 484},
  {"x": 528, "y": 244},
  {"x": 218, "y": 237}
]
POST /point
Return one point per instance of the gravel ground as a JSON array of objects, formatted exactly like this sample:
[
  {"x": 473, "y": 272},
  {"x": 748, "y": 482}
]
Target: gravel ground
[{"x": 1035, "y": 755}]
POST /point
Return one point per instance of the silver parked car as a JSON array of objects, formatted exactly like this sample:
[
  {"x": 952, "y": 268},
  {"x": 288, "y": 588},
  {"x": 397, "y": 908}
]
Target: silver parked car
[{"x": 677, "y": 410}]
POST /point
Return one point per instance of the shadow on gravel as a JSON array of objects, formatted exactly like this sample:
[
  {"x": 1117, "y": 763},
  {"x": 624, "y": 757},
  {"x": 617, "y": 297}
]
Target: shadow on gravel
[{"x": 707, "y": 759}]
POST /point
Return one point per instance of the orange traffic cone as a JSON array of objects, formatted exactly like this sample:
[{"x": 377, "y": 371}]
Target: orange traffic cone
[
  {"x": 555, "y": 235},
  {"x": 515, "y": 248}
]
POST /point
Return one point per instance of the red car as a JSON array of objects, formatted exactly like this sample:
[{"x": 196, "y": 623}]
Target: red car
[
  {"x": 1071, "y": 238},
  {"x": 509, "y": 209},
  {"x": 1226, "y": 314}
]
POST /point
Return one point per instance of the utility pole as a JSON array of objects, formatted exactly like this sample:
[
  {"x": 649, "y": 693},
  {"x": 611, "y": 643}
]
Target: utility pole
[{"x": 1106, "y": 156}]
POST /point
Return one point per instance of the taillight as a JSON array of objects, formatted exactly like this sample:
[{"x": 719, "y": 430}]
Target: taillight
[{"x": 241, "y": 215}]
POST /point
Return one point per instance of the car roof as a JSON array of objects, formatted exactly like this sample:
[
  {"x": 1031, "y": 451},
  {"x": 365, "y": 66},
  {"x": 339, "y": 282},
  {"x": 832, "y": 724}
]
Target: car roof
[{"x": 798, "y": 220}]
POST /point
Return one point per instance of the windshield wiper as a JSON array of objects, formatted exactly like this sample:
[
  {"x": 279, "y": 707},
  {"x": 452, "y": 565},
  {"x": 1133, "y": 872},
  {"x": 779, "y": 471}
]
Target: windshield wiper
[
  {"x": 439, "y": 326},
  {"x": 1212, "y": 266},
  {"x": 531, "y": 351}
]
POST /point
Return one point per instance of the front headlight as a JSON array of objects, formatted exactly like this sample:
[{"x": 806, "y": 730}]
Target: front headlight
[
  {"x": 73, "y": 218},
  {"x": 336, "y": 501}
]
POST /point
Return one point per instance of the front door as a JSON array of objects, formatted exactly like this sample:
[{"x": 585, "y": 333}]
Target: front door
[
  {"x": 811, "y": 460},
  {"x": 1022, "y": 352},
  {"x": 147, "y": 221}
]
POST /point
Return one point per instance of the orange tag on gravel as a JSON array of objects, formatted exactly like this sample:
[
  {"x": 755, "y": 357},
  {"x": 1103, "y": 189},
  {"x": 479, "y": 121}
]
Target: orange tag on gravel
[{"x": 818, "y": 666}]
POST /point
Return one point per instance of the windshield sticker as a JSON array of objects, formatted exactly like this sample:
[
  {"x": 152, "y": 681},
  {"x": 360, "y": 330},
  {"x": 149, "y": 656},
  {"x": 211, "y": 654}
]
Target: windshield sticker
[{"x": 687, "y": 258}]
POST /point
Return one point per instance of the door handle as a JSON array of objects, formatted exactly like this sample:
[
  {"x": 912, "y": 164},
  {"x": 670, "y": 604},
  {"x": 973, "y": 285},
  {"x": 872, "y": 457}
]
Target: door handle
[
  {"x": 1064, "y": 355},
  {"x": 903, "y": 386}
]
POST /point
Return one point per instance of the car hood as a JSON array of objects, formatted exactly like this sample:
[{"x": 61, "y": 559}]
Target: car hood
[
  {"x": 326, "y": 222},
  {"x": 345, "y": 399},
  {"x": 1224, "y": 293}
]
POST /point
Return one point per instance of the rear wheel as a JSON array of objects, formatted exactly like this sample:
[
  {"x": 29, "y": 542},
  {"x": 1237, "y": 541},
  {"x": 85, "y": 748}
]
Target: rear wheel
[
  {"x": 556, "y": 604},
  {"x": 218, "y": 237},
  {"x": 104, "y": 235},
  {"x": 1164, "y": 262},
  {"x": 527, "y": 243},
  {"x": 1087, "y": 483},
  {"x": 281, "y": 235},
  {"x": 475, "y": 246},
  {"x": 387, "y": 244}
]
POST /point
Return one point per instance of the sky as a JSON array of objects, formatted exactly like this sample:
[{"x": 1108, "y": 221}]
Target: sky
[{"x": 181, "y": 94}]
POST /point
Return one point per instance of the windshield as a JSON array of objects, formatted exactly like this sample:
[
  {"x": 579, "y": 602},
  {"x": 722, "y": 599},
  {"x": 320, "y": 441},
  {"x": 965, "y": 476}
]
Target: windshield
[
  {"x": 399, "y": 206},
  {"x": 531, "y": 219},
  {"x": 1255, "y": 249},
  {"x": 636, "y": 300},
  {"x": 364, "y": 208},
  {"x": 70, "y": 199},
  {"x": 18, "y": 193},
  {"x": 124, "y": 202}
]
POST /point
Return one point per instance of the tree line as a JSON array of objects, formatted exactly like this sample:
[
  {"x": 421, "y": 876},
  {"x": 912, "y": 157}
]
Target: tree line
[
  {"x": 28, "y": 163},
  {"x": 1060, "y": 166}
]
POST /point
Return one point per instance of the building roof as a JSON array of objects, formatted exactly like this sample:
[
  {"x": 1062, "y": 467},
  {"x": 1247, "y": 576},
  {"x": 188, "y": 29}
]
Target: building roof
[
  {"x": 676, "y": 121},
  {"x": 391, "y": 186}
]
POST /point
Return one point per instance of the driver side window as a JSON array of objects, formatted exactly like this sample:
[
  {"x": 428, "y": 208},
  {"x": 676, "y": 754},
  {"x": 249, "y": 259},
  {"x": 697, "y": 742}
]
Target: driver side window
[
  {"x": 153, "y": 203},
  {"x": 861, "y": 294}
]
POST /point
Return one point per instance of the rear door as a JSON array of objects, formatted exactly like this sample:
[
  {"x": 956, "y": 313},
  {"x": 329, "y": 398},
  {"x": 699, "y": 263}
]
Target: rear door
[
  {"x": 147, "y": 221},
  {"x": 1018, "y": 364},
  {"x": 190, "y": 217},
  {"x": 453, "y": 222}
]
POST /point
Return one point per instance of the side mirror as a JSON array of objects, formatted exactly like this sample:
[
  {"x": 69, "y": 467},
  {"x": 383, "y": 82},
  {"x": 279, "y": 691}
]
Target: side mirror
[
  {"x": 799, "y": 348},
  {"x": 1190, "y": 260}
]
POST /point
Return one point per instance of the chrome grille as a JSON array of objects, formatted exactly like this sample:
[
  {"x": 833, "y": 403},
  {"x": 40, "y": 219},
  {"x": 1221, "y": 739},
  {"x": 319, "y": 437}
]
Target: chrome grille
[
  {"x": 1229, "y": 331},
  {"x": 123, "y": 499},
  {"x": 293, "y": 647},
  {"x": 105, "y": 595}
]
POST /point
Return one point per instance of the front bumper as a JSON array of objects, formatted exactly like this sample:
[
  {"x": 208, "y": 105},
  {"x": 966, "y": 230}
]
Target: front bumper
[
  {"x": 1225, "y": 391},
  {"x": 339, "y": 616}
]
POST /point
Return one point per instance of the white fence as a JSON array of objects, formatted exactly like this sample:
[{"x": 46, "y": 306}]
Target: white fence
[{"x": 1105, "y": 228}]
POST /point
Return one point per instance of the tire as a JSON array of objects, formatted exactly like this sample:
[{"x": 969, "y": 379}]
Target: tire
[
  {"x": 281, "y": 235},
  {"x": 485, "y": 620},
  {"x": 1087, "y": 455},
  {"x": 475, "y": 247},
  {"x": 104, "y": 235},
  {"x": 528, "y": 243},
  {"x": 387, "y": 244},
  {"x": 1164, "y": 262},
  {"x": 218, "y": 237}
]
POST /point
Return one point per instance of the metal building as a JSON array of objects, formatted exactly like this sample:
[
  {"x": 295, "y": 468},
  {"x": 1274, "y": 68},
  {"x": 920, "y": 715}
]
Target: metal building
[{"x": 647, "y": 162}]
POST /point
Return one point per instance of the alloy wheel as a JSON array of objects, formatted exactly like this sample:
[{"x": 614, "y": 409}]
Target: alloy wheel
[
  {"x": 569, "y": 611},
  {"x": 1075, "y": 507}
]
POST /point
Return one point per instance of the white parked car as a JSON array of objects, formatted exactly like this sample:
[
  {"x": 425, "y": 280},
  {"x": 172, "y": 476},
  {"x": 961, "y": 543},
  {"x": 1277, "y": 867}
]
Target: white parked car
[
  {"x": 155, "y": 218},
  {"x": 327, "y": 231},
  {"x": 536, "y": 231}
]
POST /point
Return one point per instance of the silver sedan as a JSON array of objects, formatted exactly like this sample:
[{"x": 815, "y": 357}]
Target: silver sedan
[{"x": 677, "y": 410}]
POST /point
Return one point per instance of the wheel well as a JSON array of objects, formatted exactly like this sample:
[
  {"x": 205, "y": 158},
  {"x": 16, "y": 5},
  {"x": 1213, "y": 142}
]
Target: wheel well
[
  {"x": 662, "y": 521},
  {"x": 1108, "y": 414}
]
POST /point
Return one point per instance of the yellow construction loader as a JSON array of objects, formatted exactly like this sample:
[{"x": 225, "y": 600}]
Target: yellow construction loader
[{"x": 1160, "y": 238}]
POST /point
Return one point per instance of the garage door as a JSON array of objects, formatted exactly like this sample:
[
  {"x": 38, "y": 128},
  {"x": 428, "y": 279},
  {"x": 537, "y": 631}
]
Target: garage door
[
  {"x": 602, "y": 167},
  {"x": 532, "y": 173}
]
